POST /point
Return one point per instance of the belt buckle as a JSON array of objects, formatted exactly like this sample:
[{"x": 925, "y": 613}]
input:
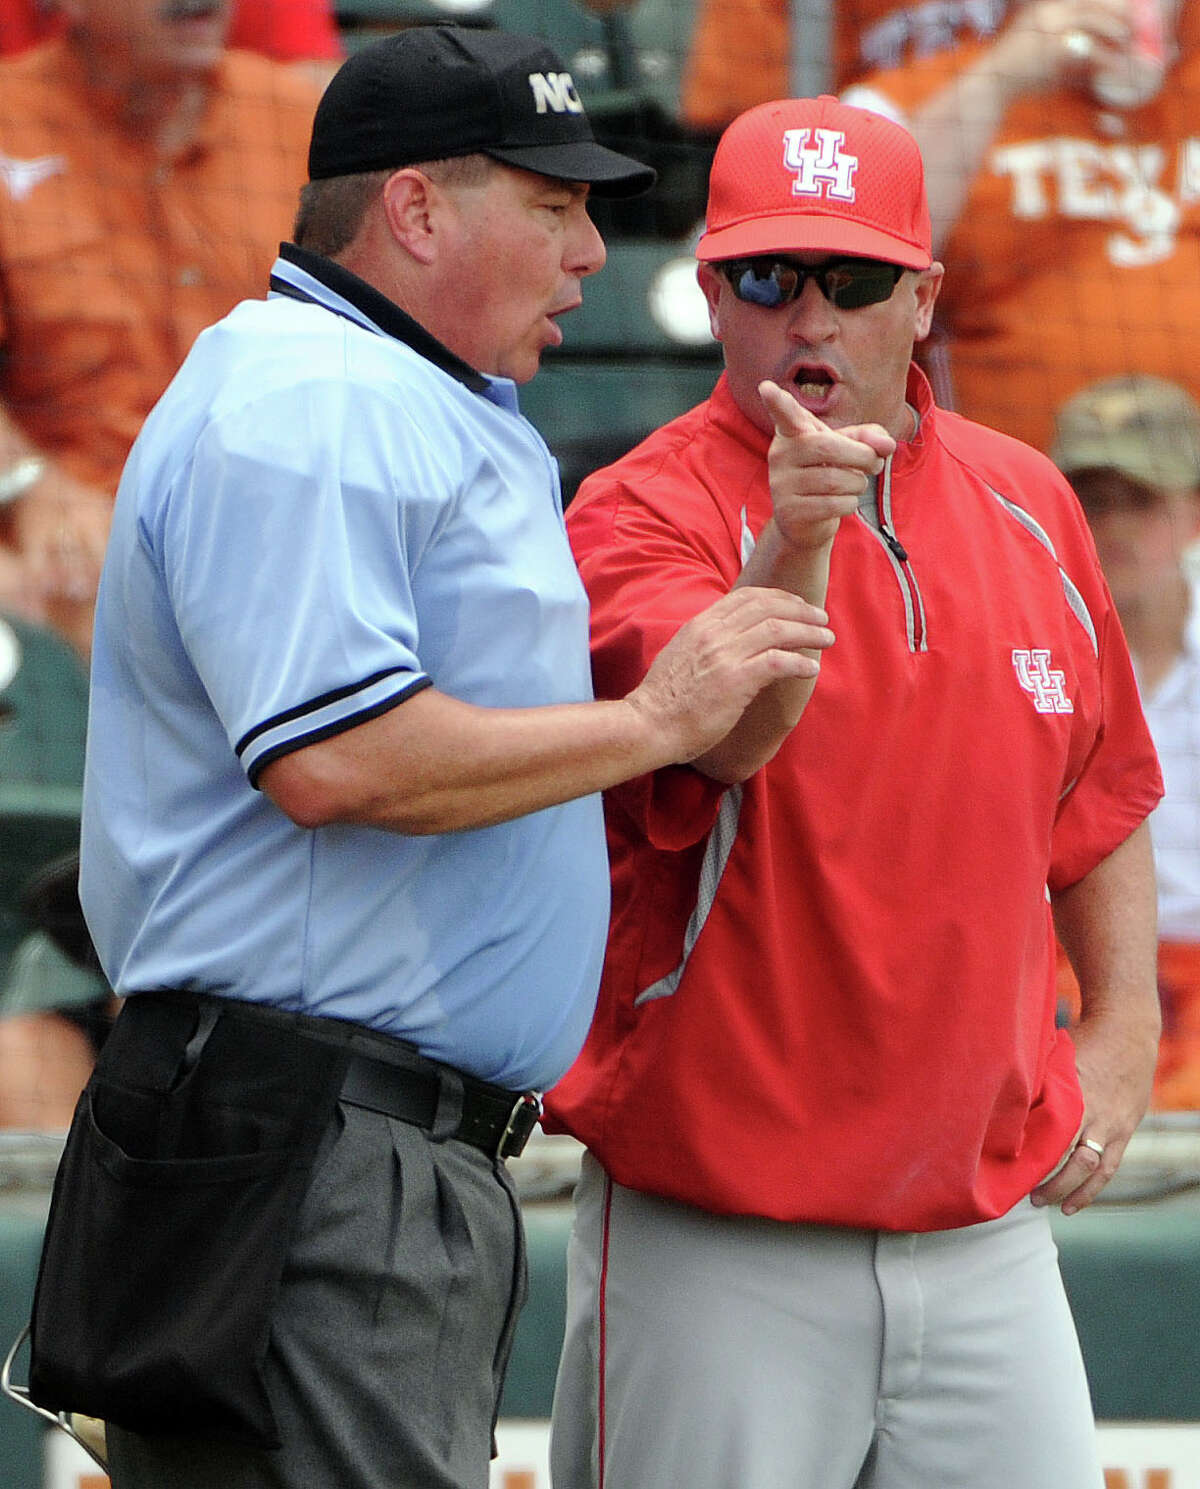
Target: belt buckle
[{"x": 521, "y": 1121}]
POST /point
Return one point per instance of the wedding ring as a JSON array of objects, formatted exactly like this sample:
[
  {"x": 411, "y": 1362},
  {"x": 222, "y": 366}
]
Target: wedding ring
[
  {"x": 1090, "y": 1142},
  {"x": 1078, "y": 44}
]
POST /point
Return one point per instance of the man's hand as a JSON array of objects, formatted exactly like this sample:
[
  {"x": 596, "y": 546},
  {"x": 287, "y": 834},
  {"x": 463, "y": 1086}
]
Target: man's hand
[
  {"x": 1106, "y": 923},
  {"x": 1115, "y": 1056},
  {"x": 706, "y": 676},
  {"x": 435, "y": 764},
  {"x": 817, "y": 474},
  {"x": 1060, "y": 41}
]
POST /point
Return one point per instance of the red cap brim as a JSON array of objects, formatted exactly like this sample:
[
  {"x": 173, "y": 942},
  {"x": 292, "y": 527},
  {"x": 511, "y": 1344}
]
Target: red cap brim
[{"x": 804, "y": 232}]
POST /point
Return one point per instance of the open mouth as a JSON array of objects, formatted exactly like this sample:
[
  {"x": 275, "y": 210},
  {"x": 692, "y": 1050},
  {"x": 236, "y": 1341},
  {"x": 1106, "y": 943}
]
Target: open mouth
[{"x": 813, "y": 383}]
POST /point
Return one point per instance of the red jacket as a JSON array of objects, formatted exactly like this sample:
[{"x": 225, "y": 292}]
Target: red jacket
[{"x": 829, "y": 992}]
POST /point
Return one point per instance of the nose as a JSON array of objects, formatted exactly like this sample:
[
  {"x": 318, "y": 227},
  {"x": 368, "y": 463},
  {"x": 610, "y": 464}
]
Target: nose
[
  {"x": 812, "y": 317},
  {"x": 584, "y": 251}
]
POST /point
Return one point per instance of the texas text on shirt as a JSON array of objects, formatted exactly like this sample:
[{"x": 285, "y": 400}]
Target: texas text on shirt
[{"x": 1077, "y": 251}]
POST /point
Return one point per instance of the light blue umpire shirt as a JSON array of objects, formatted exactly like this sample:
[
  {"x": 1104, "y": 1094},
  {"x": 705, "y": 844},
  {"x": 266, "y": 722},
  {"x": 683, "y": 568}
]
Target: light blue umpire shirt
[{"x": 326, "y": 512}]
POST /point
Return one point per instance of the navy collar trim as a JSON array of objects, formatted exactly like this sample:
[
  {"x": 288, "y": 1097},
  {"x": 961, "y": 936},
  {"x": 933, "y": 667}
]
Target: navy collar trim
[{"x": 381, "y": 311}]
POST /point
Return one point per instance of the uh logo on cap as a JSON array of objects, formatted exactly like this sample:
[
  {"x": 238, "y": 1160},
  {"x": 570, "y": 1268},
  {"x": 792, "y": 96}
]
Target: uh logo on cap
[{"x": 822, "y": 168}]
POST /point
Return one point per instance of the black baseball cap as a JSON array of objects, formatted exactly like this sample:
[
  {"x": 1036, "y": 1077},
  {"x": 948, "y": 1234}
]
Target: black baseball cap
[{"x": 433, "y": 92}]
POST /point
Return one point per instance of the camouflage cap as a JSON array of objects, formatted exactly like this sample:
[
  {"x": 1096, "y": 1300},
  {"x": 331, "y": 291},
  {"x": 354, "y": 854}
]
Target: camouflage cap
[{"x": 1142, "y": 426}]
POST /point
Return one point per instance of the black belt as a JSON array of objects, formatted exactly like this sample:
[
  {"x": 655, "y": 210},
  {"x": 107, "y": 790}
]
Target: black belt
[
  {"x": 493, "y": 1119},
  {"x": 399, "y": 1082}
]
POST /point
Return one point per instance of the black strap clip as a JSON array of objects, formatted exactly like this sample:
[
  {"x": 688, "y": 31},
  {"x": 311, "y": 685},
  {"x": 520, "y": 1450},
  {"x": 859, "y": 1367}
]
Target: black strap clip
[{"x": 521, "y": 1121}]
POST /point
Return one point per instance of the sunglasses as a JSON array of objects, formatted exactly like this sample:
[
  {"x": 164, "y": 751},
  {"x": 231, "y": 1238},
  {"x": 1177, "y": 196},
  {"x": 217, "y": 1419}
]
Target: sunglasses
[{"x": 847, "y": 283}]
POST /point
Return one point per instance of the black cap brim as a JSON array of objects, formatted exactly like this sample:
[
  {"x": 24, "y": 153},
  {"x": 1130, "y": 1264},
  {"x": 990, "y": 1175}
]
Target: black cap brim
[{"x": 606, "y": 171}]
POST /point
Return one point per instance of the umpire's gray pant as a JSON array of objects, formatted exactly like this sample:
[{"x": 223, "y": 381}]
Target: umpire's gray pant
[
  {"x": 732, "y": 1353},
  {"x": 392, "y": 1332}
]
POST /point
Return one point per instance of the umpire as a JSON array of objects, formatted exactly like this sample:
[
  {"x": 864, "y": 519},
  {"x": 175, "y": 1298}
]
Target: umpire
[{"x": 342, "y": 847}]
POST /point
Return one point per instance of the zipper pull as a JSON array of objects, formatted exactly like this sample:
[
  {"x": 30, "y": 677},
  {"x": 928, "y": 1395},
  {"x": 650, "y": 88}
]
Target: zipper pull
[{"x": 899, "y": 552}]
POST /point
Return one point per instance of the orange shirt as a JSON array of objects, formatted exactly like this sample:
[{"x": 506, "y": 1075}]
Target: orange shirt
[
  {"x": 741, "y": 49},
  {"x": 738, "y": 57},
  {"x": 287, "y": 29},
  {"x": 1177, "y": 1078},
  {"x": 111, "y": 260},
  {"x": 1077, "y": 255}
]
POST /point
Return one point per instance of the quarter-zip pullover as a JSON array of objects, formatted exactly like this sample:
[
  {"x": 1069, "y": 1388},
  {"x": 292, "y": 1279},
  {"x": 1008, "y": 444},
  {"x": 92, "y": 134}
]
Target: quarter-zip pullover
[{"x": 829, "y": 991}]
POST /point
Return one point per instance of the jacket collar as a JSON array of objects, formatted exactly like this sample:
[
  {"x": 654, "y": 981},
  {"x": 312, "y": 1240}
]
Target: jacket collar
[{"x": 383, "y": 314}]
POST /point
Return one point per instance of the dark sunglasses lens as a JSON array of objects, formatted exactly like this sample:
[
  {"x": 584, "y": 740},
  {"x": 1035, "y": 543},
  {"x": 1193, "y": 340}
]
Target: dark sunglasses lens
[
  {"x": 762, "y": 282},
  {"x": 848, "y": 285},
  {"x": 852, "y": 285}
]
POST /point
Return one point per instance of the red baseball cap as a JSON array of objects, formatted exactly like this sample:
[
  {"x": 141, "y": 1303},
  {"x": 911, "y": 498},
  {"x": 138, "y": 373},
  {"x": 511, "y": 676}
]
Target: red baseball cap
[{"x": 815, "y": 174}]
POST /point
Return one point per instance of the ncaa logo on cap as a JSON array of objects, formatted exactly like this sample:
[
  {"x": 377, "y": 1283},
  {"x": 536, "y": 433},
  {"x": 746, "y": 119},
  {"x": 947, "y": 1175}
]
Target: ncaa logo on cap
[
  {"x": 820, "y": 166},
  {"x": 439, "y": 92},
  {"x": 556, "y": 91}
]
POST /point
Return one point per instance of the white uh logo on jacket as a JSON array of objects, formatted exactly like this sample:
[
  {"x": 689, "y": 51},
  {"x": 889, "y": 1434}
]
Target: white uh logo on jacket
[
  {"x": 1044, "y": 684},
  {"x": 821, "y": 165}
]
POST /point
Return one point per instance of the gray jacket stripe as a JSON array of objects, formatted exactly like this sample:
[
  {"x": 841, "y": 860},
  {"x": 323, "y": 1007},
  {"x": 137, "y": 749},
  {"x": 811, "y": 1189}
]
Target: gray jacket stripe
[
  {"x": 716, "y": 855},
  {"x": 747, "y": 540},
  {"x": 1074, "y": 599}
]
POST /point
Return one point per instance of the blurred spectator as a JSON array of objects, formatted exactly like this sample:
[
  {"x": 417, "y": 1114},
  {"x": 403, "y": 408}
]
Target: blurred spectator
[
  {"x": 300, "y": 31},
  {"x": 146, "y": 178},
  {"x": 1130, "y": 446},
  {"x": 54, "y": 1017},
  {"x": 1064, "y": 193},
  {"x": 739, "y": 56},
  {"x": 45, "y": 1061},
  {"x": 55, "y": 1006},
  {"x": 744, "y": 52}
]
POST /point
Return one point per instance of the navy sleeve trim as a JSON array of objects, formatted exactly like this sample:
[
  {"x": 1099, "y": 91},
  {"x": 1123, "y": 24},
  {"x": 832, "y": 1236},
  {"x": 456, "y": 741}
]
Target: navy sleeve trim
[
  {"x": 328, "y": 731},
  {"x": 315, "y": 704}
]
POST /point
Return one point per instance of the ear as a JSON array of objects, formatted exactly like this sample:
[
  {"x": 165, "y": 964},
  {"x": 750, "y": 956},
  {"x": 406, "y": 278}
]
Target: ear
[
  {"x": 412, "y": 209},
  {"x": 927, "y": 289},
  {"x": 710, "y": 281}
]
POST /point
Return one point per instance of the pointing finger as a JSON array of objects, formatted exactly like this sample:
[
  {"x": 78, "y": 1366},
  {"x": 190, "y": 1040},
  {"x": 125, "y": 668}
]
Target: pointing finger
[{"x": 790, "y": 416}]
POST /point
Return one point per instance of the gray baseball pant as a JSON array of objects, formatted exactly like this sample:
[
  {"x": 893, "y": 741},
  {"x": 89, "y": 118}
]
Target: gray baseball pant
[{"x": 736, "y": 1353}]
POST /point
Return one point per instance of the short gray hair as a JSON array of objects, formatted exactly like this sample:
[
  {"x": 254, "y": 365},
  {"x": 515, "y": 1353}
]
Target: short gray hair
[{"x": 332, "y": 211}]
